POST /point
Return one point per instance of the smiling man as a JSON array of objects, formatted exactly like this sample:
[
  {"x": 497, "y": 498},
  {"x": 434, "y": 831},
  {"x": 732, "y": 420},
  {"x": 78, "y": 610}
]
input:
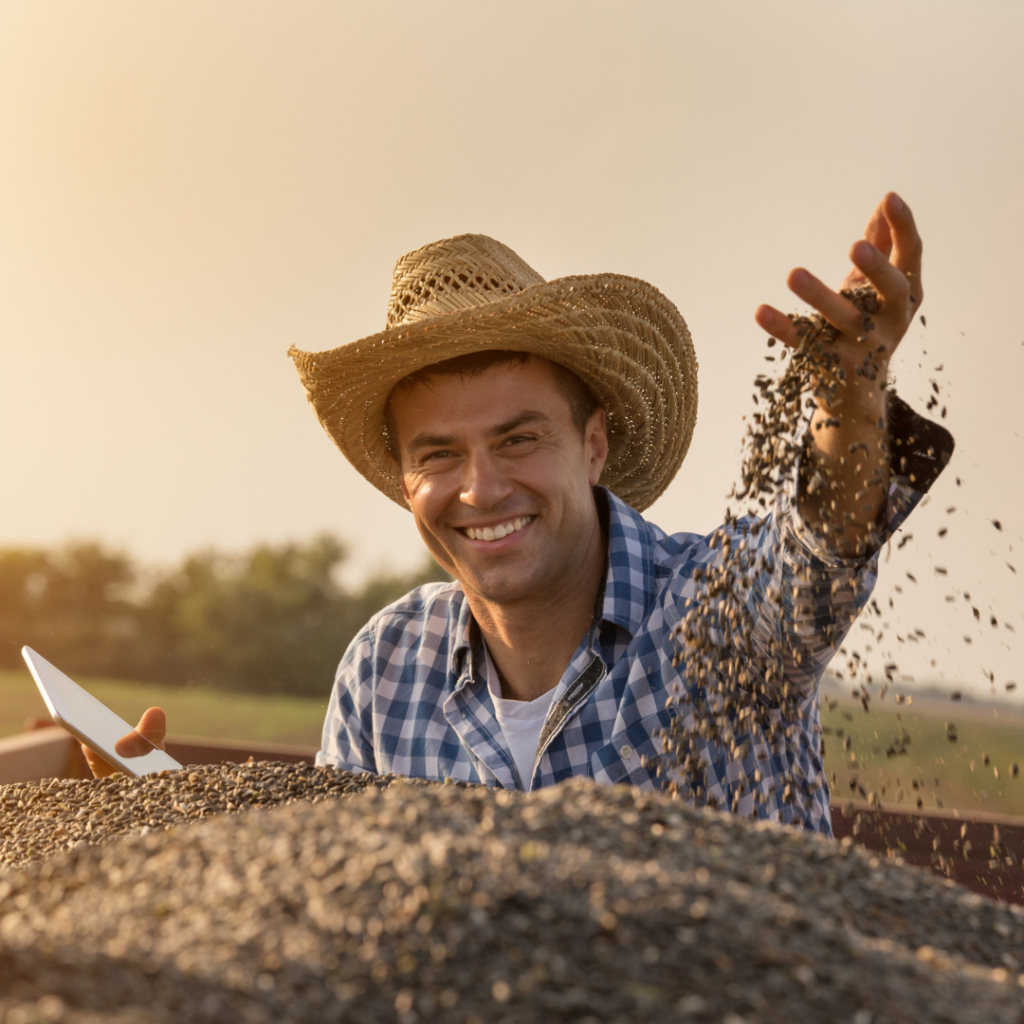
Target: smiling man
[
  {"x": 526, "y": 425},
  {"x": 499, "y": 460}
]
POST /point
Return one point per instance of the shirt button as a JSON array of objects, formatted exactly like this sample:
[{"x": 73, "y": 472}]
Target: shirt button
[{"x": 625, "y": 751}]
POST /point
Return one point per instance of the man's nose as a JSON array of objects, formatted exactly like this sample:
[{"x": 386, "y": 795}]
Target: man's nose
[{"x": 483, "y": 485}]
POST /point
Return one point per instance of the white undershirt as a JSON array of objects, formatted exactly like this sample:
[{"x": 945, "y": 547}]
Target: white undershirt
[{"x": 521, "y": 722}]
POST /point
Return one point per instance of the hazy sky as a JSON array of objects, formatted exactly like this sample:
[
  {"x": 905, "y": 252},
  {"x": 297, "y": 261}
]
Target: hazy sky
[{"x": 187, "y": 189}]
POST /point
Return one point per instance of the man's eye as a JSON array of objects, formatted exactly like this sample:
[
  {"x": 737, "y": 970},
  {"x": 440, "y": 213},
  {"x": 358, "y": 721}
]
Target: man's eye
[
  {"x": 518, "y": 439},
  {"x": 430, "y": 456}
]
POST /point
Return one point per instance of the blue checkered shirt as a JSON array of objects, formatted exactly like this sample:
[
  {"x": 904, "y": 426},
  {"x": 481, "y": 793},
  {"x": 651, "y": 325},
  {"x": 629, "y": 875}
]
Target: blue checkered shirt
[{"x": 411, "y": 695}]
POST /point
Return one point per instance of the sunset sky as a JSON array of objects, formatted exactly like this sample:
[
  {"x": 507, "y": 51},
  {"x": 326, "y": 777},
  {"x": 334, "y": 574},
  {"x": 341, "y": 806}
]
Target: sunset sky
[{"x": 187, "y": 189}]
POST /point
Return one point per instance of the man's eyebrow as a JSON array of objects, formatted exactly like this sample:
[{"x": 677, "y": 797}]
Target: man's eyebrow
[
  {"x": 421, "y": 441},
  {"x": 518, "y": 421}
]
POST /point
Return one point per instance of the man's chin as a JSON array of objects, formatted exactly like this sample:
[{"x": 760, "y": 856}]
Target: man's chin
[{"x": 499, "y": 586}]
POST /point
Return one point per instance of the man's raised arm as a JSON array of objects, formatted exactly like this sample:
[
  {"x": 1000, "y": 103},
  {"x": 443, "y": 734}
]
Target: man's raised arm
[{"x": 850, "y": 428}]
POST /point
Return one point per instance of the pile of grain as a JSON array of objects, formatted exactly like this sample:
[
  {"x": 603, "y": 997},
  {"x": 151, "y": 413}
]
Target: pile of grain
[
  {"x": 38, "y": 820},
  {"x": 425, "y": 902}
]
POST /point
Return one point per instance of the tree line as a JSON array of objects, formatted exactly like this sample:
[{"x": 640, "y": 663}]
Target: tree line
[{"x": 274, "y": 619}]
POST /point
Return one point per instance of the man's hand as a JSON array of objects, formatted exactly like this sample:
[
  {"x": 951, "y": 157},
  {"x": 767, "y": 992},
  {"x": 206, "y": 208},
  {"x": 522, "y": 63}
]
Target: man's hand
[
  {"x": 152, "y": 727},
  {"x": 850, "y": 430}
]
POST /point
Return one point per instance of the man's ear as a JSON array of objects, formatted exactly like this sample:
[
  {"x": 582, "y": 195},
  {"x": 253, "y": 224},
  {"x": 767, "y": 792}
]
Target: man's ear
[
  {"x": 595, "y": 444},
  {"x": 405, "y": 492},
  {"x": 401, "y": 476}
]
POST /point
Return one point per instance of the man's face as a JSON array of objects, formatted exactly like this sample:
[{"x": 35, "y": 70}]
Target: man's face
[{"x": 497, "y": 456}]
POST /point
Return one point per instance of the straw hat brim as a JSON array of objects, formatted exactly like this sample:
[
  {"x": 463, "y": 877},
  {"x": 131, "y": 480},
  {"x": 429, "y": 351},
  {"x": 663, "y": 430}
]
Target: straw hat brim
[{"x": 618, "y": 334}]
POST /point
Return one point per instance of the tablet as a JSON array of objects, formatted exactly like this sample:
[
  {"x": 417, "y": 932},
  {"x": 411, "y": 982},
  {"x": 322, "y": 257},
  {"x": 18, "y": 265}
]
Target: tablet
[{"x": 92, "y": 722}]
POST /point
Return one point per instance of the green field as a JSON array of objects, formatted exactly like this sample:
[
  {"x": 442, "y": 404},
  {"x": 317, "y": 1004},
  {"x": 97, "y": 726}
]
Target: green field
[
  {"x": 191, "y": 711},
  {"x": 942, "y": 769}
]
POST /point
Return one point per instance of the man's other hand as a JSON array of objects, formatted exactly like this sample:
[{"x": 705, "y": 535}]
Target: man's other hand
[{"x": 152, "y": 727}]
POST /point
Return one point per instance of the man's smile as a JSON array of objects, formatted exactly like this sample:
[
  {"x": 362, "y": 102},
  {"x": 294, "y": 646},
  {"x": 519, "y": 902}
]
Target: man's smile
[{"x": 499, "y": 531}]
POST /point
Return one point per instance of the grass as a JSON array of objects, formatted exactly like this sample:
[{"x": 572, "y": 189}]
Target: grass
[
  {"x": 191, "y": 711},
  {"x": 947, "y": 774}
]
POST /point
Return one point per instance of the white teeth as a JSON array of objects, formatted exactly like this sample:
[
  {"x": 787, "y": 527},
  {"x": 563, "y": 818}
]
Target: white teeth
[{"x": 497, "y": 532}]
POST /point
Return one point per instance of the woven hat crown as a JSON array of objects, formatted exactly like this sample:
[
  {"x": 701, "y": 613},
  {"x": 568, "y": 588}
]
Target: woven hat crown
[{"x": 456, "y": 273}]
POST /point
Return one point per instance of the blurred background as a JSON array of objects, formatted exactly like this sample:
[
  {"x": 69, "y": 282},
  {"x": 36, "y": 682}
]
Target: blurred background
[{"x": 188, "y": 189}]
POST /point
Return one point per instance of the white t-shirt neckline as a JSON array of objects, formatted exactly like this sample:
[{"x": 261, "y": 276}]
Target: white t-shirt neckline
[{"x": 520, "y": 721}]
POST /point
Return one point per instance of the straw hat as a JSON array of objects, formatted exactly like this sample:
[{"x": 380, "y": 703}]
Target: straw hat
[{"x": 618, "y": 334}]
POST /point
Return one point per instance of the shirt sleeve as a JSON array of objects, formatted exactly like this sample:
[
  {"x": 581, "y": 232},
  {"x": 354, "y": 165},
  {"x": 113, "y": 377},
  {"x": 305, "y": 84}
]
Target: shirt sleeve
[
  {"x": 806, "y": 596},
  {"x": 767, "y": 605},
  {"x": 347, "y": 740}
]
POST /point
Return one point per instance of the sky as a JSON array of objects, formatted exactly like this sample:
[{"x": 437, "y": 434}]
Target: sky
[{"x": 188, "y": 189}]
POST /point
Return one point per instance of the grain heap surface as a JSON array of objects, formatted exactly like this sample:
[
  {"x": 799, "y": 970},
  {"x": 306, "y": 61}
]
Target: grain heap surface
[
  {"x": 40, "y": 819},
  {"x": 426, "y": 902}
]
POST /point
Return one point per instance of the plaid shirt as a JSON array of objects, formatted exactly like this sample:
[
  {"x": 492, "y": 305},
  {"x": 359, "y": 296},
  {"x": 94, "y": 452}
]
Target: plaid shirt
[{"x": 411, "y": 694}]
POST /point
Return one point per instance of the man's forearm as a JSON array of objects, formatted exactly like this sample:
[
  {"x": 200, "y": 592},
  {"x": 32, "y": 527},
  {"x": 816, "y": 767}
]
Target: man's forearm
[{"x": 843, "y": 490}]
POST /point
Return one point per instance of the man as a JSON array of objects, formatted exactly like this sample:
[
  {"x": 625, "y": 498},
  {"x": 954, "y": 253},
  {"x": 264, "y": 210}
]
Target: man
[{"x": 526, "y": 424}]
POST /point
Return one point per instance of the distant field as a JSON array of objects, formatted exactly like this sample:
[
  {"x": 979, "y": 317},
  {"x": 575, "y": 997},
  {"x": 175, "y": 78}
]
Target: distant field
[
  {"x": 942, "y": 769},
  {"x": 191, "y": 711}
]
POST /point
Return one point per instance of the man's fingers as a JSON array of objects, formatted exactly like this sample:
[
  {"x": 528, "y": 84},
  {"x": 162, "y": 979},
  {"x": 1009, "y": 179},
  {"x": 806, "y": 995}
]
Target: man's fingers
[
  {"x": 149, "y": 733},
  {"x": 778, "y": 325},
  {"x": 907, "y": 247},
  {"x": 100, "y": 768},
  {"x": 891, "y": 283},
  {"x": 132, "y": 745},
  {"x": 153, "y": 725},
  {"x": 837, "y": 310},
  {"x": 877, "y": 231}
]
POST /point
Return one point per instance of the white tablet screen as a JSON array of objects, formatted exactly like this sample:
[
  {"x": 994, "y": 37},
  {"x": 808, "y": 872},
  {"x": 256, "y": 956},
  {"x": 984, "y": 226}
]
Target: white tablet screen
[{"x": 93, "y": 722}]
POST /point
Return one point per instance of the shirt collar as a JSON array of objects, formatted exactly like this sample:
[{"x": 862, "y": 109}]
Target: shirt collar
[
  {"x": 462, "y": 635},
  {"x": 630, "y": 576},
  {"x": 629, "y": 581}
]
